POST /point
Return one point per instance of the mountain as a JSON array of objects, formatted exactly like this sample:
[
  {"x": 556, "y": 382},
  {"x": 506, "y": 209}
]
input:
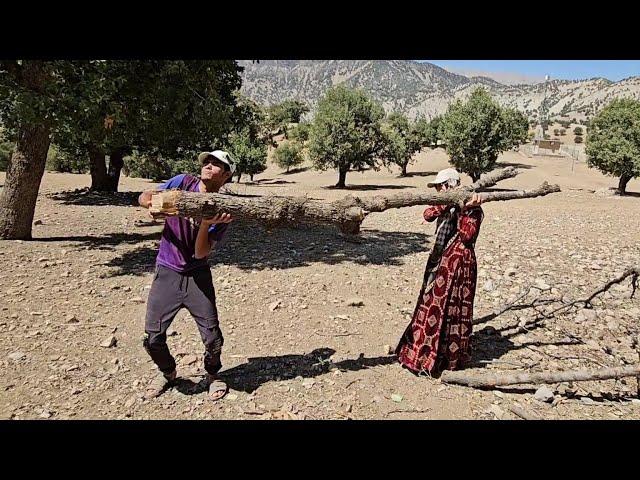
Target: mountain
[{"x": 422, "y": 88}]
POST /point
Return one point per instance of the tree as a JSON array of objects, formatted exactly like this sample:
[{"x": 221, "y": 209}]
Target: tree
[
  {"x": 613, "y": 143},
  {"x": 577, "y": 131},
  {"x": 556, "y": 132},
  {"x": 282, "y": 114},
  {"x": 288, "y": 154},
  {"x": 27, "y": 100},
  {"x": 156, "y": 108},
  {"x": 346, "y": 132},
  {"x": 578, "y": 140},
  {"x": 403, "y": 139},
  {"x": 477, "y": 131},
  {"x": 249, "y": 137},
  {"x": 563, "y": 132},
  {"x": 299, "y": 133},
  {"x": 427, "y": 131}
]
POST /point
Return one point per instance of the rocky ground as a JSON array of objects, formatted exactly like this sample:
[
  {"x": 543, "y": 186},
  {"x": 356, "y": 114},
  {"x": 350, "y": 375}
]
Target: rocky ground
[{"x": 309, "y": 316}]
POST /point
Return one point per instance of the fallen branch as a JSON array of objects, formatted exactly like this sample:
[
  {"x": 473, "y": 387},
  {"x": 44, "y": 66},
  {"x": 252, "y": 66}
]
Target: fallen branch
[
  {"x": 633, "y": 272},
  {"x": 347, "y": 213},
  {"x": 450, "y": 197},
  {"x": 488, "y": 380},
  {"x": 490, "y": 179},
  {"x": 522, "y": 413}
]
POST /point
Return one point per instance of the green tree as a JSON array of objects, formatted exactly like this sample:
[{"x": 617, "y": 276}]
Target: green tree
[
  {"x": 288, "y": 154},
  {"x": 578, "y": 139},
  {"x": 477, "y": 131},
  {"x": 282, "y": 114},
  {"x": 156, "y": 108},
  {"x": 613, "y": 143},
  {"x": 299, "y": 133},
  {"x": 403, "y": 139},
  {"x": 28, "y": 91},
  {"x": 346, "y": 132},
  {"x": 577, "y": 131}
]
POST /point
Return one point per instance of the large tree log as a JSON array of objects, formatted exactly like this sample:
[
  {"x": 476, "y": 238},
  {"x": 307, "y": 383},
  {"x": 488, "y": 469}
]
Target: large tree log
[
  {"x": 347, "y": 213},
  {"x": 489, "y": 380},
  {"x": 271, "y": 210}
]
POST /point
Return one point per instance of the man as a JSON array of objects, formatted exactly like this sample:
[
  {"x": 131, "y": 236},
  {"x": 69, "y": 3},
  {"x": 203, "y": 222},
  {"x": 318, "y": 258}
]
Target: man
[
  {"x": 438, "y": 336},
  {"x": 183, "y": 278}
]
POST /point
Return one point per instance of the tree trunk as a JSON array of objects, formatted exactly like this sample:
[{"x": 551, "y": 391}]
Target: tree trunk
[
  {"x": 622, "y": 184},
  {"x": 26, "y": 167},
  {"x": 490, "y": 380},
  {"x": 20, "y": 191},
  {"x": 347, "y": 212},
  {"x": 99, "y": 179},
  {"x": 272, "y": 211},
  {"x": 342, "y": 177},
  {"x": 403, "y": 173},
  {"x": 116, "y": 161}
]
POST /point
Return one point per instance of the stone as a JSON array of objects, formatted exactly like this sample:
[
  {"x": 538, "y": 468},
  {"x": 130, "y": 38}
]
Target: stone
[
  {"x": 544, "y": 394},
  {"x": 396, "y": 398},
  {"x": 17, "y": 356},
  {"x": 109, "y": 342},
  {"x": 355, "y": 302}
]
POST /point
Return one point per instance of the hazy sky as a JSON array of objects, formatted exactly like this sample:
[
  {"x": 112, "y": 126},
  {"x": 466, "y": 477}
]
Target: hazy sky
[{"x": 535, "y": 70}]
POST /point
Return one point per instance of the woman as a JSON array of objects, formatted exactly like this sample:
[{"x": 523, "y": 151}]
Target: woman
[{"x": 438, "y": 336}]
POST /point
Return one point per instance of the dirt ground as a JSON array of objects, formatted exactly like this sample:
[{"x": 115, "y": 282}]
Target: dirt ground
[{"x": 294, "y": 347}]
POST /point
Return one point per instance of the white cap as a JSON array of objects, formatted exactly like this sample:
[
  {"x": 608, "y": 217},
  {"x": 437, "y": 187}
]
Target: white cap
[
  {"x": 444, "y": 176},
  {"x": 221, "y": 155}
]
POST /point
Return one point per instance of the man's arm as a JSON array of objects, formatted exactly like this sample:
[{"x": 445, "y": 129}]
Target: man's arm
[{"x": 203, "y": 244}]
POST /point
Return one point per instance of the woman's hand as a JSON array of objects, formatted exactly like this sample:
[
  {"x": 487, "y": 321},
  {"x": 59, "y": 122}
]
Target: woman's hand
[{"x": 475, "y": 201}]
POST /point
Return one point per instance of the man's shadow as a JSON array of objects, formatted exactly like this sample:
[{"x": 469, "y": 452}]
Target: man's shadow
[{"x": 250, "y": 376}]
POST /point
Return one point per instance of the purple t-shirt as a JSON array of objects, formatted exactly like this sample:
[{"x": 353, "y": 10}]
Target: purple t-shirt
[{"x": 178, "y": 243}]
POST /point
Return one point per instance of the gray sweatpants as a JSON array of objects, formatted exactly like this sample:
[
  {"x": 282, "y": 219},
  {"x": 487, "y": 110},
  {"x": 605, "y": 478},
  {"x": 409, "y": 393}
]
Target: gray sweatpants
[{"x": 170, "y": 291}]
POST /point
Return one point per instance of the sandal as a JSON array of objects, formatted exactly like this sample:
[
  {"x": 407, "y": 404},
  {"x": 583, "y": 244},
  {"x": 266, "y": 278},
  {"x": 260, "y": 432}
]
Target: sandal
[{"x": 217, "y": 388}]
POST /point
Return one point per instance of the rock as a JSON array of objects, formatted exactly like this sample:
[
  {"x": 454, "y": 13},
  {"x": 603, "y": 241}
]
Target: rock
[
  {"x": 38, "y": 222},
  {"x": 274, "y": 305},
  {"x": 109, "y": 342},
  {"x": 136, "y": 300},
  {"x": 510, "y": 272},
  {"x": 497, "y": 411},
  {"x": 189, "y": 359},
  {"x": 129, "y": 403},
  {"x": 232, "y": 397},
  {"x": 540, "y": 284},
  {"x": 587, "y": 400},
  {"x": 355, "y": 302},
  {"x": 308, "y": 383},
  {"x": 588, "y": 314},
  {"x": 488, "y": 286},
  {"x": 17, "y": 356},
  {"x": 396, "y": 398},
  {"x": 71, "y": 319},
  {"x": 387, "y": 350},
  {"x": 544, "y": 394},
  {"x": 171, "y": 332},
  {"x": 45, "y": 414}
]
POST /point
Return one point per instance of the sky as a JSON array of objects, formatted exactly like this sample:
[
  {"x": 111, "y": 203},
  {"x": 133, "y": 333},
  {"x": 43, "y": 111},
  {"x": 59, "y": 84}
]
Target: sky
[{"x": 515, "y": 71}]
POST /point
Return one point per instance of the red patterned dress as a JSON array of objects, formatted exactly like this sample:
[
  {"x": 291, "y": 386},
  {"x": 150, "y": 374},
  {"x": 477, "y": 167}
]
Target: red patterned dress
[{"x": 438, "y": 336}]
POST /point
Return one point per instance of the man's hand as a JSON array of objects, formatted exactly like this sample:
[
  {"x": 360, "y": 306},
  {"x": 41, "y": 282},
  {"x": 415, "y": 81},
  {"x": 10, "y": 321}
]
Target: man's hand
[{"x": 219, "y": 218}]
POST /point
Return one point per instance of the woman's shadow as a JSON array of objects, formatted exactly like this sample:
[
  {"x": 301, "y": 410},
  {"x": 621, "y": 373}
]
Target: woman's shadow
[{"x": 250, "y": 376}]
